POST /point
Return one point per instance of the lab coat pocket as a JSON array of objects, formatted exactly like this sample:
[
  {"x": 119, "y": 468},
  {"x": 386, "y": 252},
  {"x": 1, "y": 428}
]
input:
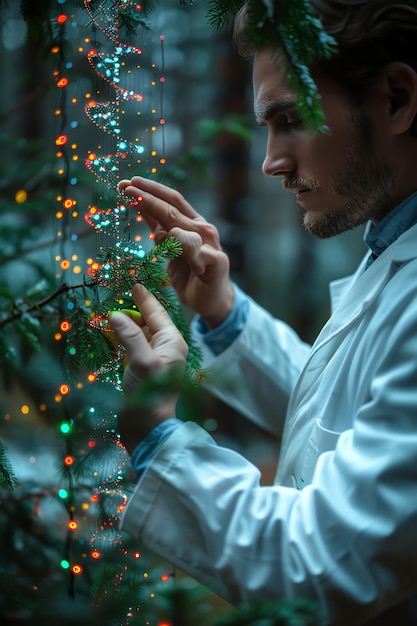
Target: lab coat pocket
[{"x": 321, "y": 440}]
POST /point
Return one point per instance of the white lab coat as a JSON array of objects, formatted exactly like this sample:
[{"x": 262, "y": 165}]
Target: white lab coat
[{"x": 340, "y": 524}]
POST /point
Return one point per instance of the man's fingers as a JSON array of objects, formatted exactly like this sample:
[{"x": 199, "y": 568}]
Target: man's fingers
[{"x": 166, "y": 194}]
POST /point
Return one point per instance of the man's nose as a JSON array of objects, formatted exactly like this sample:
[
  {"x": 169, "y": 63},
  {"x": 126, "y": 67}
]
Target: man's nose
[{"x": 279, "y": 160}]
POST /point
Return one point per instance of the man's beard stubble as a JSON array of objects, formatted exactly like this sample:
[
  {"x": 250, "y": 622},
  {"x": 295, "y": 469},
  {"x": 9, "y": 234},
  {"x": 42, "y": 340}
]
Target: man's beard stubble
[{"x": 366, "y": 183}]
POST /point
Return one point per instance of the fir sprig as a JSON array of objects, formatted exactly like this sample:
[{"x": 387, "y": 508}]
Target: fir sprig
[
  {"x": 124, "y": 265},
  {"x": 8, "y": 479}
]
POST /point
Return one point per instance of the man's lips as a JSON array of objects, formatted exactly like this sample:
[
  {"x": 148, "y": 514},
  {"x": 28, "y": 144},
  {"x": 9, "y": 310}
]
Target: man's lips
[{"x": 300, "y": 192}]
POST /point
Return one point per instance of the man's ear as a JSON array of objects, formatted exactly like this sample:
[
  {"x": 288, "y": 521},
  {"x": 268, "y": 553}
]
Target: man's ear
[{"x": 401, "y": 87}]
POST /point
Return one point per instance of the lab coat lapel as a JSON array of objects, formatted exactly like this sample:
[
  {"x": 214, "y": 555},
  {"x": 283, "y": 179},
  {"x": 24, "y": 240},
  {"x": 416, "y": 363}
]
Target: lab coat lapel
[{"x": 353, "y": 296}]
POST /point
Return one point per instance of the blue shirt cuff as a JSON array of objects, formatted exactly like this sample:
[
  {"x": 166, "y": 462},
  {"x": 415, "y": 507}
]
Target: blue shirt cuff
[
  {"x": 144, "y": 452},
  {"x": 220, "y": 338}
]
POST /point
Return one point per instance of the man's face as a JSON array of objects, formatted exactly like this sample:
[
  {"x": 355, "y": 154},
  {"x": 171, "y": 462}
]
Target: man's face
[{"x": 341, "y": 178}]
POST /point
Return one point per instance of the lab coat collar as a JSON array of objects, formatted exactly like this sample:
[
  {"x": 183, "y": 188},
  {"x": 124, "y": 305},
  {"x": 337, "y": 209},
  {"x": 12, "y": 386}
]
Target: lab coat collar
[{"x": 353, "y": 295}]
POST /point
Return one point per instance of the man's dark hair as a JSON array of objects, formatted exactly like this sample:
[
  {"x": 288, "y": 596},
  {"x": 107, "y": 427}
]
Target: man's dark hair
[{"x": 369, "y": 33}]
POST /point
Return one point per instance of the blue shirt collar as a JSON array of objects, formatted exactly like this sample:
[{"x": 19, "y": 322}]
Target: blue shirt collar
[{"x": 378, "y": 237}]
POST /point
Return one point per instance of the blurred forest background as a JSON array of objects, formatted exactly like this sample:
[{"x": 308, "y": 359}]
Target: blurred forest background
[{"x": 61, "y": 556}]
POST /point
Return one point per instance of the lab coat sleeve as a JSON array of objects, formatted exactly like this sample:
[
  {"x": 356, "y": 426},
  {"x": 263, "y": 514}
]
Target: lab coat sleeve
[
  {"x": 257, "y": 372},
  {"x": 347, "y": 541}
]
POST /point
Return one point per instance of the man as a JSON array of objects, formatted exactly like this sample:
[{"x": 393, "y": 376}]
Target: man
[{"x": 339, "y": 525}]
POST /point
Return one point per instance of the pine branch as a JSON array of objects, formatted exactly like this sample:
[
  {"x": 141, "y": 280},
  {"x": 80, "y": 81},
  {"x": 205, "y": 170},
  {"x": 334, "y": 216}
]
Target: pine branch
[
  {"x": 21, "y": 309},
  {"x": 8, "y": 479}
]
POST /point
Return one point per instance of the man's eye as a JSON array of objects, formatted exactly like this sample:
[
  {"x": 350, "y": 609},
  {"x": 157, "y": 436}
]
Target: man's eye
[{"x": 293, "y": 121}]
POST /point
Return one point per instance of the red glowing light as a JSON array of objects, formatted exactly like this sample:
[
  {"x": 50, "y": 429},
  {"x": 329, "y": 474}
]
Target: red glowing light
[
  {"x": 61, "y": 19},
  {"x": 63, "y": 82},
  {"x": 77, "y": 569},
  {"x": 68, "y": 203},
  {"x": 65, "y": 326},
  {"x": 95, "y": 554},
  {"x": 69, "y": 460},
  {"x": 61, "y": 140}
]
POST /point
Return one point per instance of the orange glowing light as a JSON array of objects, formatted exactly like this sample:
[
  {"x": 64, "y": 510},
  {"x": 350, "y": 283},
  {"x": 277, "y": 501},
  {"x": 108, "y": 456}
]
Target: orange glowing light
[
  {"x": 94, "y": 497},
  {"x": 95, "y": 554},
  {"x": 72, "y": 525},
  {"x": 61, "y": 140},
  {"x": 63, "y": 82},
  {"x": 69, "y": 203},
  {"x": 65, "y": 264},
  {"x": 91, "y": 378},
  {"x": 165, "y": 577},
  {"x": 69, "y": 460},
  {"x": 77, "y": 569},
  {"x": 64, "y": 389},
  {"x": 65, "y": 326}
]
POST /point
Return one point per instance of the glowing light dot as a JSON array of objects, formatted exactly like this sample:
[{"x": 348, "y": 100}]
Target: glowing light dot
[
  {"x": 61, "y": 140},
  {"x": 85, "y": 506},
  {"x": 95, "y": 554},
  {"x": 77, "y": 269},
  {"x": 55, "y": 50},
  {"x": 69, "y": 203},
  {"x": 24, "y": 409},
  {"x": 63, "y": 82},
  {"x": 57, "y": 336},
  {"x": 64, "y": 265},
  {"x": 72, "y": 525},
  {"x": 136, "y": 555},
  {"x": 162, "y": 79},
  {"x": 69, "y": 460},
  {"x": 59, "y": 215},
  {"x": 165, "y": 577},
  {"x": 162, "y": 161},
  {"x": 91, "y": 378},
  {"x": 91, "y": 444},
  {"x": 65, "y": 428},
  {"x": 21, "y": 196},
  {"x": 63, "y": 493},
  {"x": 61, "y": 19},
  {"x": 64, "y": 389},
  {"x": 94, "y": 497},
  {"x": 77, "y": 569},
  {"x": 65, "y": 564},
  {"x": 65, "y": 326}
]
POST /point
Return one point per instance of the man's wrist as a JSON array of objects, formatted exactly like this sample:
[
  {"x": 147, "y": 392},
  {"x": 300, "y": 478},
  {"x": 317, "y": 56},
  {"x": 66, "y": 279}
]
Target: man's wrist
[
  {"x": 221, "y": 312},
  {"x": 135, "y": 423}
]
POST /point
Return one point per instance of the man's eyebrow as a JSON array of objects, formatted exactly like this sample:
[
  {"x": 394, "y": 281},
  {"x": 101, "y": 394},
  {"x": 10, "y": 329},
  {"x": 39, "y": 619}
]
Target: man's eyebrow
[{"x": 268, "y": 108}]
